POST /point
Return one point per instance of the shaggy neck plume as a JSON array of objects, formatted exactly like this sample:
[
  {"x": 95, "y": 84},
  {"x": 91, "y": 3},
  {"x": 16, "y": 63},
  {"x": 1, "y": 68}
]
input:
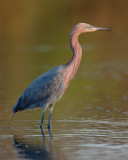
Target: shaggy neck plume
[{"x": 73, "y": 64}]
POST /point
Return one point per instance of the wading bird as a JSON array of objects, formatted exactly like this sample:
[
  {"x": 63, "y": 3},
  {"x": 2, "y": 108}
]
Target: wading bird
[{"x": 48, "y": 88}]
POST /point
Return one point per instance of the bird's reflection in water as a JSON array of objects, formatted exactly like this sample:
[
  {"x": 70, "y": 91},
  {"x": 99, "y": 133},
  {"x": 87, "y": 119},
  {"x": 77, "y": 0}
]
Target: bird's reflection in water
[{"x": 37, "y": 152}]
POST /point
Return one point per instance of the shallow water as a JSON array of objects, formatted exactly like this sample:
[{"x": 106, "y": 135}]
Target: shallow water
[
  {"x": 73, "y": 138},
  {"x": 90, "y": 122}
]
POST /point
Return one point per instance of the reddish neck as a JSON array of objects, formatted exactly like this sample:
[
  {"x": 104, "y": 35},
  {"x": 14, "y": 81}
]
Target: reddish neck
[{"x": 73, "y": 64}]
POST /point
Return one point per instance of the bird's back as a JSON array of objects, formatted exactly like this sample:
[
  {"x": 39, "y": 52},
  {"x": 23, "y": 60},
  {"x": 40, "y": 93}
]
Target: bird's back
[{"x": 44, "y": 90}]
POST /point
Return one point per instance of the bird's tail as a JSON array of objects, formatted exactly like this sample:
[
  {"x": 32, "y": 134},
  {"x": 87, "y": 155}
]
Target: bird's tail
[
  {"x": 18, "y": 106},
  {"x": 11, "y": 119}
]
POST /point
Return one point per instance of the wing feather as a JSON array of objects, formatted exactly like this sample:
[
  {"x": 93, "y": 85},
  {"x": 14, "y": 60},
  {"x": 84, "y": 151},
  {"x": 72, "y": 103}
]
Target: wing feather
[{"x": 45, "y": 89}]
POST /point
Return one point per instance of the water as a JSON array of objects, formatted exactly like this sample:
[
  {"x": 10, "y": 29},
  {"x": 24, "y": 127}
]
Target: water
[
  {"x": 71, "y": 138},
  {"x": 91, "y": 120}
]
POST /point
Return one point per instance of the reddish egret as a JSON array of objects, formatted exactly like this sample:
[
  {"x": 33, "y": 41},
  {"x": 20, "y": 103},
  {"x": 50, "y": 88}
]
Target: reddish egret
[{"x": 48, "y": 88}]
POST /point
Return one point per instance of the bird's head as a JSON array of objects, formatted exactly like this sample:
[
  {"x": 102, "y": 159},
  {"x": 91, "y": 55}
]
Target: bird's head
[
  {"x": 84, "y": 27},
  {"x": 90, "y": 28}
]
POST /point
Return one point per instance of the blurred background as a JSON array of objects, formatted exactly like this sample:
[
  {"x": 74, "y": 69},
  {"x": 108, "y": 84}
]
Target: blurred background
[{"x": 34, "y": 37}]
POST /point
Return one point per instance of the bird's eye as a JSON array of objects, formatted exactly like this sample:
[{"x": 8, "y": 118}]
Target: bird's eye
[{"x": 88, "y": 27}]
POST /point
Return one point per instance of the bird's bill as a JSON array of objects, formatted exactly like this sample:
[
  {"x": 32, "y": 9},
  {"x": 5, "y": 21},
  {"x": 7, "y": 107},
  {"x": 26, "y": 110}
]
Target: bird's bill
[{"x": 102, "y": 29}]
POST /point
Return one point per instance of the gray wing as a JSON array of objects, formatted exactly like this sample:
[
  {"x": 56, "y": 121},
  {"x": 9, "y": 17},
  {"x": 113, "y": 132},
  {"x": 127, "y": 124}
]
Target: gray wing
[{"x": 45, "y": 89}]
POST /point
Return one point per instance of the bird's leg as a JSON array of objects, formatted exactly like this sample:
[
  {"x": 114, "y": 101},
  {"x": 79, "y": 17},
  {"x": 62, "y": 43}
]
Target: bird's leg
[
  {"x": 42, "y": 118},
  {"x": 50, "y": 115}
]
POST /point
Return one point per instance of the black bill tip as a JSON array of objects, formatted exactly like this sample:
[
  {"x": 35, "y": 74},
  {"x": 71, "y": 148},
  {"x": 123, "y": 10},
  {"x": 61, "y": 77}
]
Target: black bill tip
[{"x": 103, "y": 29}]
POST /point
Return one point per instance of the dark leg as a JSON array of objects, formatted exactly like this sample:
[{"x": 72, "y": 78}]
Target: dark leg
[
  {"x": 50, "y": 115},
  {"x": 42, "y": 118}
]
